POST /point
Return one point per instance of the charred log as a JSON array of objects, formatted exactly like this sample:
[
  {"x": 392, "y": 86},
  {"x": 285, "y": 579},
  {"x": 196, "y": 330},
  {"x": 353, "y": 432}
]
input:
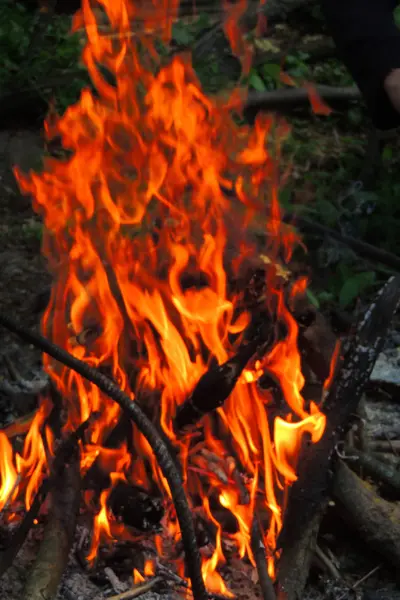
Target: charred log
[
  {"x": 215, "y": 386},
  {"x": 309, "y": 494},
  {"x": 135, "y": 507}
]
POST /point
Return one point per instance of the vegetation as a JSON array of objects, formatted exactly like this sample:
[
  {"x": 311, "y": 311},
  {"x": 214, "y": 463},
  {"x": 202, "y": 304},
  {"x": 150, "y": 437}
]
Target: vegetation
[{"x": 327, "y": 152}]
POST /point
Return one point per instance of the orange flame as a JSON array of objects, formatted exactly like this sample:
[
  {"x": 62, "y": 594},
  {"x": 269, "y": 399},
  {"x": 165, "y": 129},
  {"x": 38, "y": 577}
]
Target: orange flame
[{"x": 139, "y": 205}]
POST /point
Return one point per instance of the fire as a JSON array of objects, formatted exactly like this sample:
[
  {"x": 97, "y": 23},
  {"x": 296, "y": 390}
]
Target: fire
[
  {"x": 139, "y": 230},
  {"x": 8, "y": 473}
]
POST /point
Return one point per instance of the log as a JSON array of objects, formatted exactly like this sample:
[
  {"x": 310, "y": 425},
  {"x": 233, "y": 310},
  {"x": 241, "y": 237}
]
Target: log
[
  {"x": 52, "y": 559},
  {"x": 135, "y": 507},
  {"x": 214, "y": 387},
  {"x": 310, "y": 493},
  {"x": 289, "y": 98},
  {"x": 64, "y": 453},
  {"x": 376, "y": 520}
]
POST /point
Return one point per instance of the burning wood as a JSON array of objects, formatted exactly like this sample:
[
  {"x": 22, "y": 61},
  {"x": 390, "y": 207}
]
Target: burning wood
[
  {"x": 149, "y": 325},
  {"x": 45, "y": 576},
  {"x": 307, "y": 502},
  {"x": 216, "y": 385},
  {"x": 135, "y": 507}
]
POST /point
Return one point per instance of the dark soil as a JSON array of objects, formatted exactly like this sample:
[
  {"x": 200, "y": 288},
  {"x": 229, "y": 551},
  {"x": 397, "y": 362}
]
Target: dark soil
[{"x": 23, "y": 272}]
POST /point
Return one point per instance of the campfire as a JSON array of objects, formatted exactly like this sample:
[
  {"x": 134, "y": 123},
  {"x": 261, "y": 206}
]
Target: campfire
[{"x": 159, "y": 285}]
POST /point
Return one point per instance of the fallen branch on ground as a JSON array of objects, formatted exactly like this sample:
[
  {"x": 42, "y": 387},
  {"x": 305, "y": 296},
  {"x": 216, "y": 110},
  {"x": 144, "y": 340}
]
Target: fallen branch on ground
[
  {"x": 294, "y": 97},
  {"x": 137, "y": 590},
  {"x": 375, "y": 468},
  {"x": 317, "y": 49},
  {"x": 376, "y": 520},
  {"x": 367, "y": 251},
  {"x": 308, "y": 496},
  {"x": 362, "y": 248}
]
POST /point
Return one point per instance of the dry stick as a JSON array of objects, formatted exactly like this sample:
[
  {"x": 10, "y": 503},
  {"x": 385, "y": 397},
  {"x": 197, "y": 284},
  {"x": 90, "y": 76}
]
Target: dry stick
[
  {"x": 309, "y": 494},
  {"x": 360, "y": 581},
  {"x": 376, "y": 520},
  {"x": 52, "y": 559},
  {"x": 137, "y": 590},
  {"x": 327, "y": 563},
  {"x": 260, "y": 558},
  {"x": 63, "y": 455},
  {"x": 366, "y": 250},
  {"x": 374, "y": 467},
  {"x": 145, "y": 426},
  {"x": 318, "y": 49},
  {"x": 293, "y": 97},
  {"x": 256, "y": 541},
  {"x": 384, "y": 445}
]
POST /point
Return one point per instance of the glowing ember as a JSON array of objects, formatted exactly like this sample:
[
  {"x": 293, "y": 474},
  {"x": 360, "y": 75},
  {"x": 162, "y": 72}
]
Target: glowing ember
[{"x": 141, "y": 204}]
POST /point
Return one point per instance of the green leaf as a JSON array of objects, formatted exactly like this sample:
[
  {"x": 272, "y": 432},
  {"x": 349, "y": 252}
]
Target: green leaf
[
  {"x": 396, "y": 16},
  {"x": 181, "y": 34},
  {"x": 256, "y": 82},
  {"x": 387, "y": 154},
  {"x": 325, "y": 297},
  {"x": 312, "y": 298},
  {"x": 354, "y": 286},
  {"x": 271, "y": 70}
]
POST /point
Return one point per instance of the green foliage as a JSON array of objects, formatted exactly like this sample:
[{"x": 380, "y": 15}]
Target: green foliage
[
  {"x": 354, "y": 286},
  {"x": 396, "y": 15},
  {"x": 38, "y": 54}
]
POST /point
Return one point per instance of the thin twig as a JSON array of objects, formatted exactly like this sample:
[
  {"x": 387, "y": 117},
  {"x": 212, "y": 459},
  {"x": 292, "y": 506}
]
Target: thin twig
[
  {"x": 334, "y": 572},
  {"x": 385, "y": 446},
  {"x": 366, "y": 250},
  {"x": 137, "y": 590},
  {"x": 292, "y": 97},
  {"x": 360, "y": 581}
]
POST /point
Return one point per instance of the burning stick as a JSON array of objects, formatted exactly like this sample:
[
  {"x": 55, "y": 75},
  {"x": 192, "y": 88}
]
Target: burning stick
[
  {"x": 45, "y": 577},
  {"x": 215, "y": 386},
  {"x": 309, "y": 494},
  {"x": 158, "y": 446},
  {"x": 63, "y": 456}
]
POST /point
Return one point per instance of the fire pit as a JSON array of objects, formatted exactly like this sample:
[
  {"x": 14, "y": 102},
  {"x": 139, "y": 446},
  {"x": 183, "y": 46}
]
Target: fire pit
[{"x": 165, "y": 308}]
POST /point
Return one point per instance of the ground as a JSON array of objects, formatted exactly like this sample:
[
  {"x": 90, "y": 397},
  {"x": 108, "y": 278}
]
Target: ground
[{"x": 22, "y": 269}]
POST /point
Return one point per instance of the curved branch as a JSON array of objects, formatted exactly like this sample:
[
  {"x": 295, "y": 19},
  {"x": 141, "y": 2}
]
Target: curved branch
[{"x": 145, "y": 426}]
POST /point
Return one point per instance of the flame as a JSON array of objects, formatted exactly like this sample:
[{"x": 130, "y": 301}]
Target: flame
[
  {"x": 141, "y": 204},
  {"x": 137, "y": 577},
  {"x": 8, "y": 473}
]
